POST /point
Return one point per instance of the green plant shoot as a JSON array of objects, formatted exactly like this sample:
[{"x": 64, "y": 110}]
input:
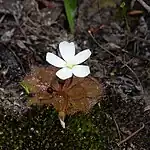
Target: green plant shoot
[
  {"x": 70, "y": 8},
  {"x": 25, "y": 87}
]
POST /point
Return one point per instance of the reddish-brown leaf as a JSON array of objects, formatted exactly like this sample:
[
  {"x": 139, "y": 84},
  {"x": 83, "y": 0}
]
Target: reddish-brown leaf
[{"x": 69, "y": 96}]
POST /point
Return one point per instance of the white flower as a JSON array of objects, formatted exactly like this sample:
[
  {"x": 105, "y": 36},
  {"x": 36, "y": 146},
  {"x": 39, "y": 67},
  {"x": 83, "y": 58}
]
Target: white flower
[{"x": 70, "y": 63}]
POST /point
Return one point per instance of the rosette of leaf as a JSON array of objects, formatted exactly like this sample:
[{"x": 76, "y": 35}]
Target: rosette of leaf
[{"x": 67, "y": 96}]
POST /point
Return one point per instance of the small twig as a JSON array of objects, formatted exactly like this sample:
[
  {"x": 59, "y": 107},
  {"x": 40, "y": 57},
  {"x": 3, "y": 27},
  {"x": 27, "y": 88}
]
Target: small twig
[
  {"x": 134, "y": 37},
  {"x": 16, "y": 57},
  {"x": 33, "y": 23},
  {"x": 142, "y": 40},
  {"x": 133, "y": 55},
  {"x": 133, "y": 134},
  {"x": 118, "y": 130},
  {"x": 144, "y": 5},
  {"x": 142, "y": 90},
  {"x": 127, "y": 63},
  {"x": 132, "y": 3},
  {"x": 2, "y": 18},
  {"x": 101, "y": 46},
  {"x": 18, "y": 24}
]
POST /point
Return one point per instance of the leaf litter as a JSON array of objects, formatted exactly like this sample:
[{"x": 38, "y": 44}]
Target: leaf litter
[{"x": 122, "y": 98}]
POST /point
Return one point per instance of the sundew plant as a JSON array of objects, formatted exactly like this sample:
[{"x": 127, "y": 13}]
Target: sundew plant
[{"x": 67, "y": 84}]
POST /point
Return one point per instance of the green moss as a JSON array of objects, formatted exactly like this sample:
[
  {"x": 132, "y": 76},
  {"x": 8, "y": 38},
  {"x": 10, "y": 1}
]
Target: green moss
[{"x": 40, "y": 129}]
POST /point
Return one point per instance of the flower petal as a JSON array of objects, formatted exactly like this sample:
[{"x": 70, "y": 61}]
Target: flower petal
[
  {"x": 81, "y": 70},
  {"x": 55, "y": 60},
  {"x": 62, "y": 123},
  {"x": 67, "y": 50},
  {"x": 82, "y": 56},
  {"x": 64, "y": 73}
]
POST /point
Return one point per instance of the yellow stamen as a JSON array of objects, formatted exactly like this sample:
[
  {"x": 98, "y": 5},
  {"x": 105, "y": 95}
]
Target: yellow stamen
[{"x": 70, "y": 66}]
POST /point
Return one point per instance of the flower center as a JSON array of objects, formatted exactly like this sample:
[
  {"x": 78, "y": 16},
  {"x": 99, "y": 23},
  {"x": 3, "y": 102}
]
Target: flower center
[{"x": 70, "y": 66}]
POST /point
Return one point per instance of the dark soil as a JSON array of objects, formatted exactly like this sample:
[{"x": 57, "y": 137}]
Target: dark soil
[{"x": 120, "y": 46}]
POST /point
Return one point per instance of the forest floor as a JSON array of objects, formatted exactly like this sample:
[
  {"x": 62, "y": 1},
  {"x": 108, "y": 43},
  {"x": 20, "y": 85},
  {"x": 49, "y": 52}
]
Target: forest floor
[{"x": 119, "y": 39}]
